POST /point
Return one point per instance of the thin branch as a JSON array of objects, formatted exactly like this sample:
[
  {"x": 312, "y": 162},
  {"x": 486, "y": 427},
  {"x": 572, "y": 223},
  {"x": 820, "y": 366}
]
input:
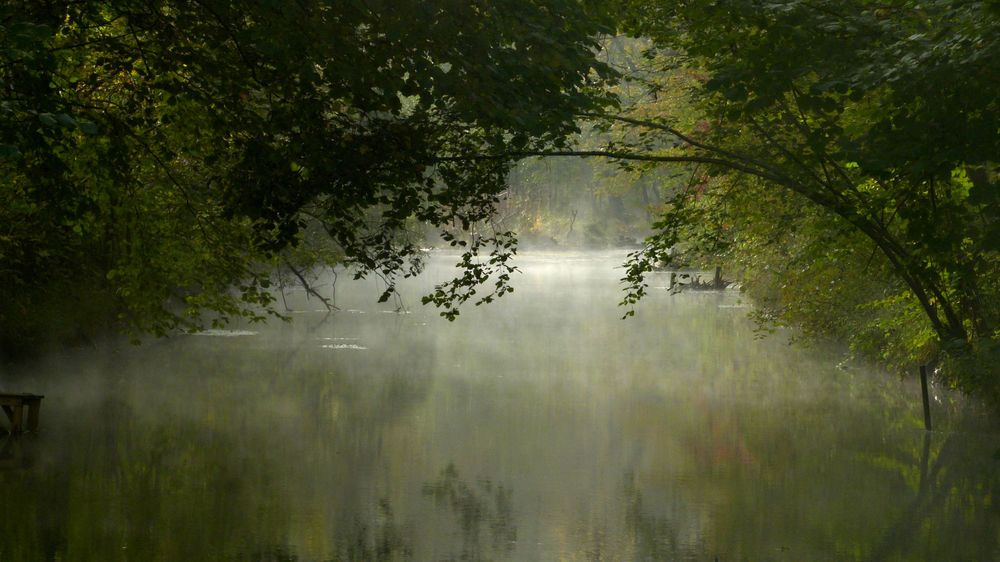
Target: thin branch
[
  {"x": 170, "y": 175},
  {"x": 252, "y": 68},
  {"x": 805, "y": 130},
  {"x": 667, "y": 128},
  {"x": 738, "y": 165},
  {"x": 307, "y": 286},
  {"x": 87, "y": 43},
  {"x": 791, "y": 155}
]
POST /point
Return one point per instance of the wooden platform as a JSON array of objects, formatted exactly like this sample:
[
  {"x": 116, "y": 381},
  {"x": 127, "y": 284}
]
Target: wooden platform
[{"x": 14, "y": 406}]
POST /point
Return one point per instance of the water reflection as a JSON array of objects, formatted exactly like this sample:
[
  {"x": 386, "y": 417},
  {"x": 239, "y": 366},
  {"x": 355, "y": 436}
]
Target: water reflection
[
  {"x": 475, "y": 507},
  {"x": 543, "y": 428},
  {"x": 17, "y": 451}
]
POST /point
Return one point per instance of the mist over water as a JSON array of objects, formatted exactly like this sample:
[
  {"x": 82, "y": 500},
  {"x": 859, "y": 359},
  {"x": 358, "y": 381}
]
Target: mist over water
[{"x": 540, "y": 427}]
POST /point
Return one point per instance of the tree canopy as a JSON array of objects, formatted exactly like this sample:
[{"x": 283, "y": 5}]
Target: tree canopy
[
  {"x": 883, "y": 120},
  {"x": 155, "y": 154}
]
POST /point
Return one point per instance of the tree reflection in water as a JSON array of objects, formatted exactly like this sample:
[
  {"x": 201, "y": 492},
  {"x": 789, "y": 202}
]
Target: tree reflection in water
[
  {"x": 951, "y": 508},
  {"x": 945, "y": 488},
  {"x": 473, "y": 507}
]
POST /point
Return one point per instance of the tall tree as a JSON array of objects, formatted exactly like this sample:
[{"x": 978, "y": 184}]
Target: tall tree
[{"x": 883, "y": 116}]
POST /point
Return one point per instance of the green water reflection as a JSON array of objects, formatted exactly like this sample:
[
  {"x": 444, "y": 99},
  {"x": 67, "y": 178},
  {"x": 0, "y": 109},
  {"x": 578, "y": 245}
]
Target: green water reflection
[{"x": 541, "y": 428}]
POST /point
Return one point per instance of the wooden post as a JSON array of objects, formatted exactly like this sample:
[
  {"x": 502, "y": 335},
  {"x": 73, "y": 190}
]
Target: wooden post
[
  {"x": 924, "y": 459},
  {"x": 13, "y": 406},
  {"x": 927, "y": 401},
  {"x": 34, "y": 405},
  {"x": 15, "y": 419}
]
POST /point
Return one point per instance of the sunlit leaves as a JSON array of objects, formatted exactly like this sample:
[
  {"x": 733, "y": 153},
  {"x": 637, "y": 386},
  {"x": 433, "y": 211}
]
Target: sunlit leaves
[
  {"x": 886, "y": 118},
  {"x": 477, "y": 270}
]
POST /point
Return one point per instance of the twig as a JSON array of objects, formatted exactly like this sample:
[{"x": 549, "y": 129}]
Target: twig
[{"x": 308, "y": 287}]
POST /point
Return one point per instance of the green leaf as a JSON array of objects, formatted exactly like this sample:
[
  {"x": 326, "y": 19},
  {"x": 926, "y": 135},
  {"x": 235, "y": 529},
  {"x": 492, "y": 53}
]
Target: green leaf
[
  {"x": 65, "y": 120},
  {"x": 48, "y": 119},
  {"x": 88, "y": 127},
  {"x": 9, "y": 151}
]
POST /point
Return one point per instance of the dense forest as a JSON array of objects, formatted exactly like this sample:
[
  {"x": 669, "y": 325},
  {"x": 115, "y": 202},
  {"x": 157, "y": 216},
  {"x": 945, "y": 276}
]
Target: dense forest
[{"x": 166, "y": 163}]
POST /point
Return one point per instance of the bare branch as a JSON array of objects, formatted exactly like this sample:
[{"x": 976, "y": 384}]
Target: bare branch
[{"x": 307, "y": 286}]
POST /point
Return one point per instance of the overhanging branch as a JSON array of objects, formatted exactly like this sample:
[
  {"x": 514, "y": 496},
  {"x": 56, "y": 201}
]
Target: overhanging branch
[
  {"x": 901, "y": 259},
  {"x": 733, "y": 164}
]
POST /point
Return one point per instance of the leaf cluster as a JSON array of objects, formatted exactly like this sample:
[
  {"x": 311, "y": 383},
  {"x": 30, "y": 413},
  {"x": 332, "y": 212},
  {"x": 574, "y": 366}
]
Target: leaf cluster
[
  {"x": 163, "y": 153},
  {"x": 874, "y": 127}
]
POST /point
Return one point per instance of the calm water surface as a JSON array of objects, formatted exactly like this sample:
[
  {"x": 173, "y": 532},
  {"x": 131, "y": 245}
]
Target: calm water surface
[{"x": 542, "y": 427}]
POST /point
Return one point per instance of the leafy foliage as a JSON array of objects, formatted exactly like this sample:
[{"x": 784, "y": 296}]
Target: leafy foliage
[
  {"x": 157, "y": 154},
  {"x": 879, "y": 124}
]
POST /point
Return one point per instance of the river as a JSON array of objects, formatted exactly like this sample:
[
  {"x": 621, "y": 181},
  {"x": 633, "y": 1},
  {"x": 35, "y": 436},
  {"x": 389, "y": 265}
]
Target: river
[{"x": 540, "y": 427}]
